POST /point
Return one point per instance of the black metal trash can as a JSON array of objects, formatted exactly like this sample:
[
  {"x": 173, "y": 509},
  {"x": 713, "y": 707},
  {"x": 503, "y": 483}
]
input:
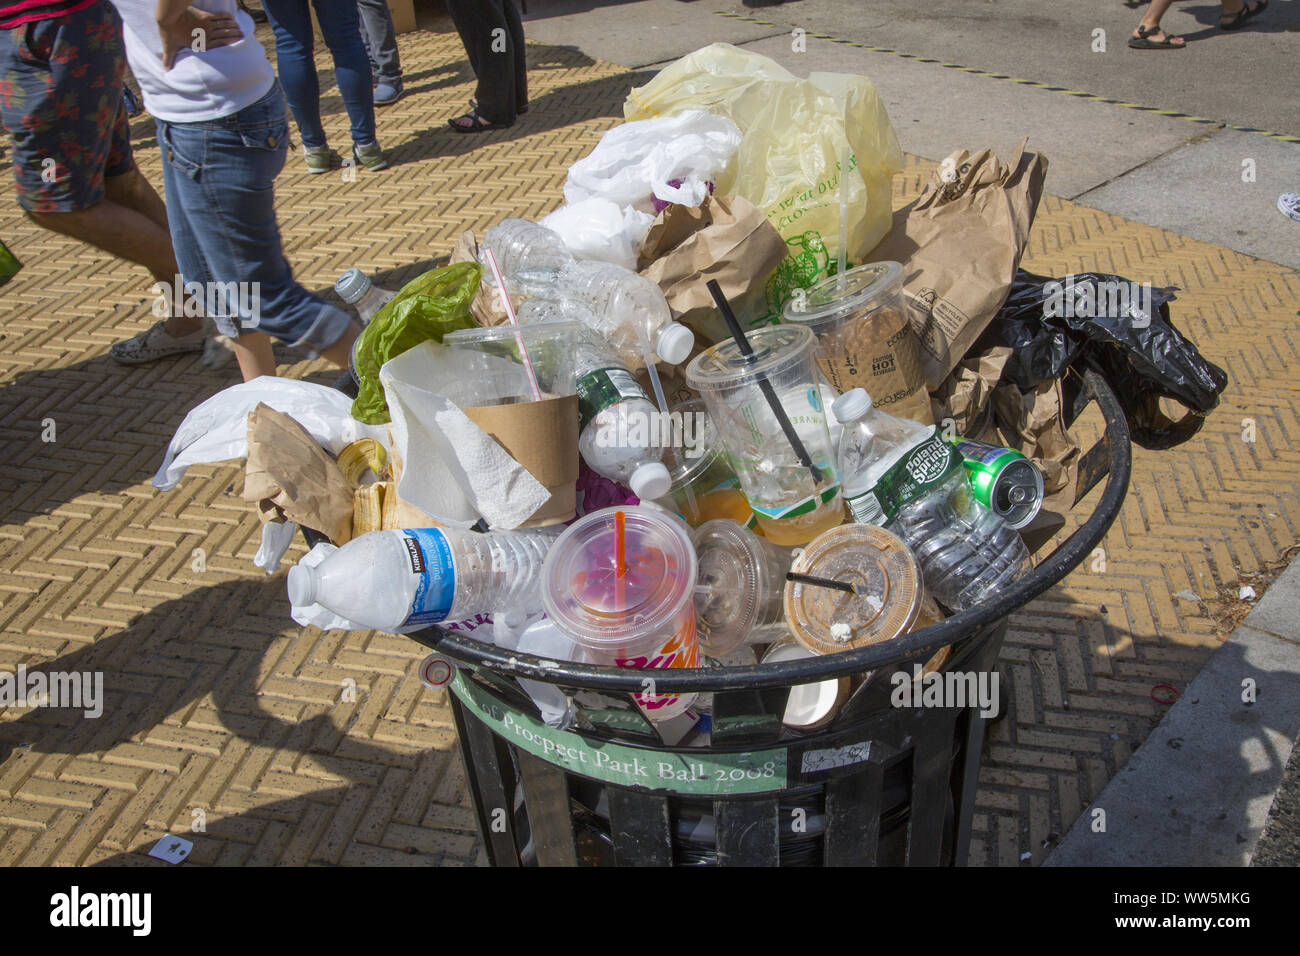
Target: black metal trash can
[{"x": 880, "y": 785}]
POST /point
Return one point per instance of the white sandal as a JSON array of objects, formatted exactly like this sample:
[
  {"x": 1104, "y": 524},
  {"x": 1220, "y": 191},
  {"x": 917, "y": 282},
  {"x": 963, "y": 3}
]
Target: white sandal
[{"x": 154, "y": 343}]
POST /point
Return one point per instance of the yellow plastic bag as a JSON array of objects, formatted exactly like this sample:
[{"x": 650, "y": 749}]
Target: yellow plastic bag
[{"x": 788, "y": 164}]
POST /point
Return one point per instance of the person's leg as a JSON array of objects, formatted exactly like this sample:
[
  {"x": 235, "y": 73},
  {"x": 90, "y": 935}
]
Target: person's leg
[
  {"x": 381, "y": 40},
  {"x": 1237, "y": 12},
  {"x": 295, "y": 40},
  {"x": 520, "y": 60},
  {"x": 1149, "y": 25},
  {"x": 484, "y": 30},
  {"x": 340, "y": 25},
  {"x": 223, "y": 173}
]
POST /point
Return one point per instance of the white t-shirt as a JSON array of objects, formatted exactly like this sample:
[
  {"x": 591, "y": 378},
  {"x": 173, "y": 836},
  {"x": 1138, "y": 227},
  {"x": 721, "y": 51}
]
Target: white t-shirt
[{"x": 199, "y": 86}]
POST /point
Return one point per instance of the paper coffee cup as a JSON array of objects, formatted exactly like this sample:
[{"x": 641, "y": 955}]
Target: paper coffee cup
[{"x": 543, "y": 438}]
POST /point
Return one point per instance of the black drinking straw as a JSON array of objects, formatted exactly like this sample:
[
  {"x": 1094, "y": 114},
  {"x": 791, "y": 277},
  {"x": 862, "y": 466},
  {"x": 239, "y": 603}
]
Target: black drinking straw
[
  {"x": 821, "y": 582},
  {"x": 769, "y": 393}
]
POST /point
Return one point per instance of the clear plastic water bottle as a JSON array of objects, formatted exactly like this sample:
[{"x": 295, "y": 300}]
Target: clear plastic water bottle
[
  {"x": 418, "y": 577},
  {"x": 901, "y": 475},
  {"x": 967, "y": 553},
  {"x": 526, "y": 253},
  {"x": 356, "y": 289},
  {"x": 621, "y": 306},
  {"x": 619, "y": 424}
]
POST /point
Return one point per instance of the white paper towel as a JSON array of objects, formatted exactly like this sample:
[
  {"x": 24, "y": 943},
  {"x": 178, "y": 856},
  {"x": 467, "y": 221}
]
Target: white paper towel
[{"x": 452, "y": 470}]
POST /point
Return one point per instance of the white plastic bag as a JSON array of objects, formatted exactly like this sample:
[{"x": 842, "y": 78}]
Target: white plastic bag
[
  {"x": 599, "y": 229},
  {"x": 217, "y": 429},
  {"x": 633, "y": 164}
]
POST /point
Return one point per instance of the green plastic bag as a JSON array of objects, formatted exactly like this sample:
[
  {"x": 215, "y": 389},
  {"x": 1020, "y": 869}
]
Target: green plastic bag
[{"x": 427, "y": 308}]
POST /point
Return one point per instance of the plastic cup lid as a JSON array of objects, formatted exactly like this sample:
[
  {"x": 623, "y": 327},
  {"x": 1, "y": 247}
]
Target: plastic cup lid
[
  {"x": 682, "y": 467},
  {"x": 727, "y": 605},
  {"x": 890, "y": 589},
  {"x": 776, "y": 349},
  {"x": 581, "y": 591},
  {"x": 826, "y": 302}
]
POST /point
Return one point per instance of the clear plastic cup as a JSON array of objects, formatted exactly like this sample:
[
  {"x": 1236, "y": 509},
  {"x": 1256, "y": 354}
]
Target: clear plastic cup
[
  {"x": 739, "y": 587},
  {"x": 646, "y": 618},
  {"x": 791, "y": 505},
  {"x": 890, "y": 597},
  {"x": 704, "y": 486},
  {"x": 493, "y": 363},
  {"x": 843, "y": 312}
]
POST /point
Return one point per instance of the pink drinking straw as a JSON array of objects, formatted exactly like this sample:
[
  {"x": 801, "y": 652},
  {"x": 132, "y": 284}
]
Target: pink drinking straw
[{"x": 510, "y": 314}]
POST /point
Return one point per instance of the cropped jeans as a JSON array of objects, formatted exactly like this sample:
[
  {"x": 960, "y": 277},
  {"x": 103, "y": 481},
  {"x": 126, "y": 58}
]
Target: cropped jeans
[{"x": 219, "y": 178}]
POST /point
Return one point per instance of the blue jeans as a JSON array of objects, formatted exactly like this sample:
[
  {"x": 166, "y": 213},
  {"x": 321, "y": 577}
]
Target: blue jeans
[
  {"x": 378, "y": 32},
  {"x": 295, "y": 41},
  {"x": 219, "y": 178}
]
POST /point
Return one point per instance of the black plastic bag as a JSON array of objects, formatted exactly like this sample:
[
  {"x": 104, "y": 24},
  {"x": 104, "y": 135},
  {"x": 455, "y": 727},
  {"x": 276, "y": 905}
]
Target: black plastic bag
[{"x": 1123, "y": 331}]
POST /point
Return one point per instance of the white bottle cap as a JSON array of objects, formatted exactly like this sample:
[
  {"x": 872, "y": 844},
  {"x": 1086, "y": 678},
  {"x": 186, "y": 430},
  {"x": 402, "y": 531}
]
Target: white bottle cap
[
  {"x": 851, "y": 406},
  {"x": 651, "y": 481},
  {"x": 675, "y": 343},
  {"x": 302, "y": 586}
]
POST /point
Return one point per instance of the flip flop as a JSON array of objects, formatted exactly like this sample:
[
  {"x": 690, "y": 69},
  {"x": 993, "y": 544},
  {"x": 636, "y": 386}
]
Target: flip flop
[
  {"x": 1143, "y": 40},
  {"x": 1244, "y": 14},
  {"x": 478, "y": 123}
]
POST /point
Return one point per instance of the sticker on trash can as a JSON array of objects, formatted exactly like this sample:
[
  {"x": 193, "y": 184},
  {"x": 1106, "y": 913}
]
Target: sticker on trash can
[{"x": 691, "y": 772}]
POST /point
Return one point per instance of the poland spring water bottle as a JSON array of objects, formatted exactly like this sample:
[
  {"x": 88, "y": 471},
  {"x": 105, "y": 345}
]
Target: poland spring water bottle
[
  {"x": 900, "y": 474},
  {"x": 619, "y": 436}
]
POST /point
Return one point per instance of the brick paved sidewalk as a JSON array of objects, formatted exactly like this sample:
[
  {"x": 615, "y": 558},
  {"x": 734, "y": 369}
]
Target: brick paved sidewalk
[{"x": 219, "y": 707}]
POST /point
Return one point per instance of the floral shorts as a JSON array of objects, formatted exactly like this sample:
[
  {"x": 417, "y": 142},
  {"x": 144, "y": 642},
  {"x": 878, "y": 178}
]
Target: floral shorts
[{"x": 61, "y": 101}]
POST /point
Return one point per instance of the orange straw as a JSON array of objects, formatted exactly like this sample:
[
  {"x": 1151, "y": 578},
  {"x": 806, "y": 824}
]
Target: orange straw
[{"x": 620, "y": 565}]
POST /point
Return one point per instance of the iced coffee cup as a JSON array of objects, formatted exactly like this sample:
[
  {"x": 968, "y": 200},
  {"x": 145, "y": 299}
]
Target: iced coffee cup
[
  {"x": 888, "y": 596},
  {"x": 864, "y": 339},
  {"x": 792, "y": 501},
  {"x": 739, "y": 586},
  {"x": 637, "y": 611}
]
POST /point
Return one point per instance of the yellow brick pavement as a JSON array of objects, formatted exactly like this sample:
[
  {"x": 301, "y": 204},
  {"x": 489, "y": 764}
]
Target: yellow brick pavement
[{"x": 222, "y": 713}]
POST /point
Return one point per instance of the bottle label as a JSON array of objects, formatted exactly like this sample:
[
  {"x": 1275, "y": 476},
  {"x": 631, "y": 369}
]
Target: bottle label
[
  {"x": 431, "y": 561},
  {"x": 924, "y": 467},
  {"x": 603, "y": 387},
  {"x": 983, "y": 452},
  {"x": 806, "y": 506},
  {"x": 865, "y": 508}
]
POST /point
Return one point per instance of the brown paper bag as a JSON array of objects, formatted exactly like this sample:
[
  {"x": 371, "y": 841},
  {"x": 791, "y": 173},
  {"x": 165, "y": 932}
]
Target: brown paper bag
[
  {"x": 960, "y": 244},
  {"x": 729, "y": 240},
  {"x": 293, "y": 478},
  {"x": 1033, "y": 423},
  {"x": 966, "y": 396},
  {"x": 486, "y": 308},
  {"x": 543, "y": 437}
]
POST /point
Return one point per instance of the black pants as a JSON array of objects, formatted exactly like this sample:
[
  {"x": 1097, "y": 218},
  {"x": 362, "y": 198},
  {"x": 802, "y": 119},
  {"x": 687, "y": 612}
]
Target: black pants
[{"x": 493, "y": 34}]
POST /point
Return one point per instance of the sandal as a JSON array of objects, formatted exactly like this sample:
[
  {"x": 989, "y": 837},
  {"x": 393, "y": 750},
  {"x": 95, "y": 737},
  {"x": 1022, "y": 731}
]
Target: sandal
[
  {"x": 473, "y": 104},
  {"x": 477, "y": 123},
  {"x": 1143, "y": 40},
  {"x": 1242, "y": 15}
]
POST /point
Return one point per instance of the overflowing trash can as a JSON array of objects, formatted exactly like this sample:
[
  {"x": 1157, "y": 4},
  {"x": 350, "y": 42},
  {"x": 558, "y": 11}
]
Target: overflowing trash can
[{"x": 887, "y": 780}]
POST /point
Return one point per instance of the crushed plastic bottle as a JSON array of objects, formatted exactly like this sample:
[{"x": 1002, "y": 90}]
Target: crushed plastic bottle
[{"x": 899, "y": 474}]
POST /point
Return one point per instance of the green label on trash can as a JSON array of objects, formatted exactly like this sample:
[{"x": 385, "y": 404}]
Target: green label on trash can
[{"x": 687, "y": 771}]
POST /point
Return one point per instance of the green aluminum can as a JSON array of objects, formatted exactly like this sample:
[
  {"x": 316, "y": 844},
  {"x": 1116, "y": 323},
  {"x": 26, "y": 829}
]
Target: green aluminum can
[{"x": 1004, "y": 481}]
